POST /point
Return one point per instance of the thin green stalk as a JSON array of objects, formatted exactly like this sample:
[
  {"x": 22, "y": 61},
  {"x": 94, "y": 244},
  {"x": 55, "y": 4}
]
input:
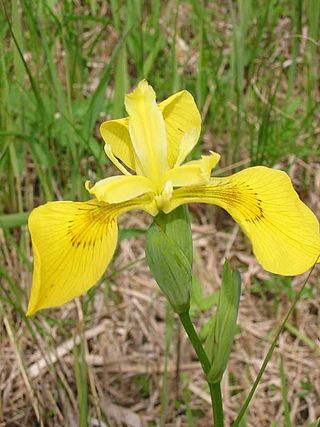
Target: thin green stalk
[
  {"x": 174, "y": 62},
  {"x": 215, "y": 389},
  {"x": 164, "y": 394},
  {"x": 216, "y": 399},
  {"x": 195, "y": 341},
  {"x": 284, "y": 389}
]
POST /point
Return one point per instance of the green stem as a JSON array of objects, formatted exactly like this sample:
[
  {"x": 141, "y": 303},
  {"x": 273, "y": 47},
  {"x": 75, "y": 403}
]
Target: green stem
[
  {"x": 216, "y": 399},
  {"x": 195, "y": 341},
  {"x": 215, "y": 390}
]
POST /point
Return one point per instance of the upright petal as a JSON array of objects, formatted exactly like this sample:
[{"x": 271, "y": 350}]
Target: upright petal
[
  {"x": 283, "y": 230},
  {"x": 147, "y": 131},
  {"x": 180, "y": 115},
  {"x": 115, "y": 133},
  {"x": 187, "y": 143},
  {"x": 73, "y": 242}
]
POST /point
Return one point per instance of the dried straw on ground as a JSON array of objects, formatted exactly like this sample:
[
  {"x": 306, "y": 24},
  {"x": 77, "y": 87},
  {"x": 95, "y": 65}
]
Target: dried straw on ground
[{"x": 123, "y": 339}]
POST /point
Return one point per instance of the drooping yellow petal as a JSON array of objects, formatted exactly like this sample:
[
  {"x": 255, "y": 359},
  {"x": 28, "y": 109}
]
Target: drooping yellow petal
[
  {"x": 283, "y": 230},
  {"x": 180, "y": 115},
  {"x": 193, "y": 173},
  {"x": 147, "y": 132},
  {"x": 115, "y": 133},
  {"x": 120, "y": 188},
  {"x": 73, "y": 242}
]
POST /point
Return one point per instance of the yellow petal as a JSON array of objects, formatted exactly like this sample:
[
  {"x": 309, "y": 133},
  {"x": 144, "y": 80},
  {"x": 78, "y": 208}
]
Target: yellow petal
[
  {"x": 115, "y": 133},
  {"x": 73, "y": 243},
  {"x": 193, "y": 173},
  {"x": 115, "y": 160},
  {"x": 188, "y": 141},
  {"x": 147, "y": 131},
  {"x": 283, "y": 230},
  {"x": 181, "y": 115},
  {"x": 120, "y": 188}
]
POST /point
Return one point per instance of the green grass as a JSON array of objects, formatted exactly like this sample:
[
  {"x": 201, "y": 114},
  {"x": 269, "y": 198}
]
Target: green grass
[
  {"x": 254, "y": 103},
  {"x": 65, "y": 67}
]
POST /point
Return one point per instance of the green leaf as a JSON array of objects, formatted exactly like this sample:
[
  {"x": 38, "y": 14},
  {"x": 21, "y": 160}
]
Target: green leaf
[{"x": 219, "y": 342}]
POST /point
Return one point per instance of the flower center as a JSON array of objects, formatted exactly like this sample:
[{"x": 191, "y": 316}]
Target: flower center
[{"x": 164, "y": 198}]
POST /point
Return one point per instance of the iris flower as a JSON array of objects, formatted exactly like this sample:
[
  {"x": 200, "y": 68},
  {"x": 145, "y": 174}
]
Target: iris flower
[{"x": 73, "y": 242}]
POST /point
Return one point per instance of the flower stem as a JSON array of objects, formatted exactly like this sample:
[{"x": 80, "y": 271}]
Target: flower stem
[
  {"x": 215, "y": 390},
  {"x": 216, "y": 399},
  {"x": 195, "y": 341}
]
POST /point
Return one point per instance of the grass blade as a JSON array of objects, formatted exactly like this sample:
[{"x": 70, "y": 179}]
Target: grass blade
[
  {"x": 284, "y": 395},
  {"x": 35, "y": 89},
  {"x": 98, "y": 97},
  {"x": 14, "y": 220}
]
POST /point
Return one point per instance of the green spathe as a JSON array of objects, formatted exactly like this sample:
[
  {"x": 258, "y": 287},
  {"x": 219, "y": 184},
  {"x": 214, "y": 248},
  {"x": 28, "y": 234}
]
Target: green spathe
[
  {"x": 169, "y": 256},
  {"x": 220, "y": 338}
]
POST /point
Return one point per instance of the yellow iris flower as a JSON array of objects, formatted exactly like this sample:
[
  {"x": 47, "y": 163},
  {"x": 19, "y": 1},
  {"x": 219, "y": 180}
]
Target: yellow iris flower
[{"x": 73, "y": 242}]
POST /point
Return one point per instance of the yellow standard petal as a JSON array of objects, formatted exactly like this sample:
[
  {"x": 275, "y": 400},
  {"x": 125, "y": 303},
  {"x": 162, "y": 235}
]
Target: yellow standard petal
[
  {"x": 147, "y": 131},
  {"x": 181, "y": 116},
  {"x": 283, "y": 230},
  {"x": 120, "y": 188},
  {"x": 187, "y": 143},
  {"x": 115, "y": 133},
  {"x": 73, "y": 242}
]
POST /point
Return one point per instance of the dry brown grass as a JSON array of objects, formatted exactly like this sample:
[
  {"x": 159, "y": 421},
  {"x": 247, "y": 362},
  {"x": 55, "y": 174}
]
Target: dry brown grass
[{"x": 123, "y": 337}]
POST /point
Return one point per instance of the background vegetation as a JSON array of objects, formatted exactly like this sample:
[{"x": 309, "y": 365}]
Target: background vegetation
[{"x": 117, "y": 356}]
